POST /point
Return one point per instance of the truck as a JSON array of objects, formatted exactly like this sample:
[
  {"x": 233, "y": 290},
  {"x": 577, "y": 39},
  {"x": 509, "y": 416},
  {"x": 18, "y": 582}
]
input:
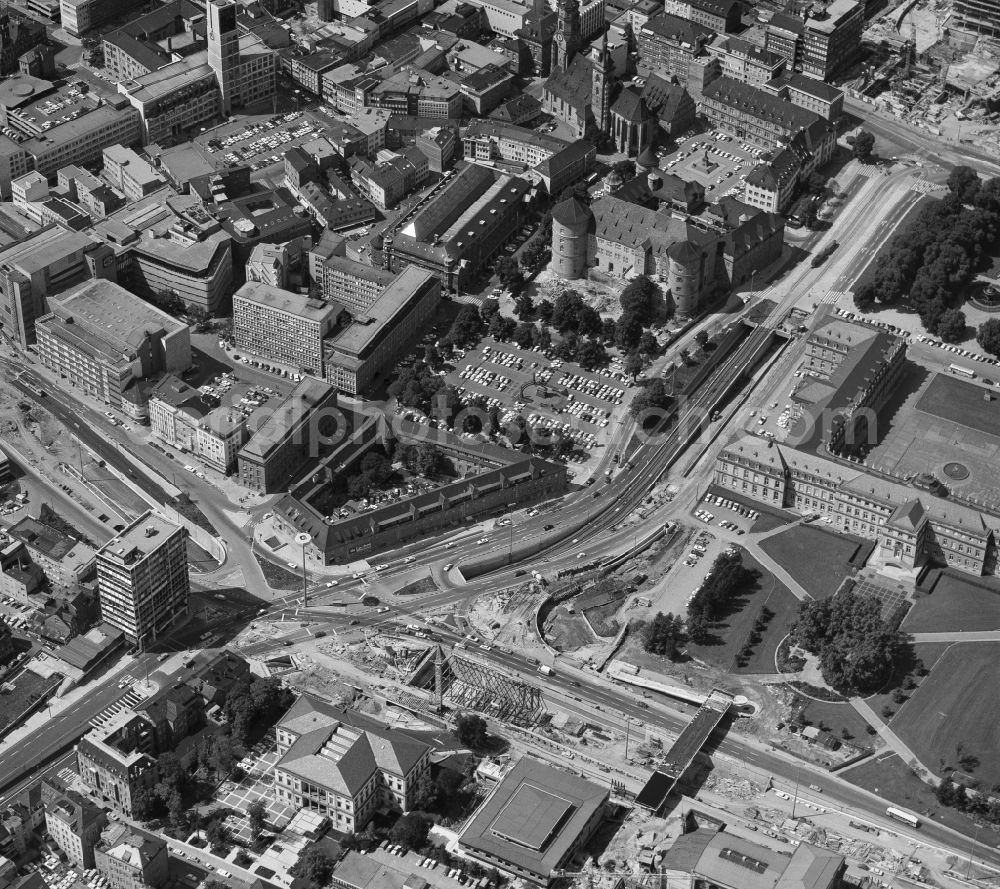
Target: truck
[{"x": 545, "y": 670}]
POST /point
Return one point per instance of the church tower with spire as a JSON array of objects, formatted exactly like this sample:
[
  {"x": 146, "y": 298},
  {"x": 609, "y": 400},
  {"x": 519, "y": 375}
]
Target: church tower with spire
[
  {"x": 600, "y": 99},
  {"x": 566, "y": 42}
]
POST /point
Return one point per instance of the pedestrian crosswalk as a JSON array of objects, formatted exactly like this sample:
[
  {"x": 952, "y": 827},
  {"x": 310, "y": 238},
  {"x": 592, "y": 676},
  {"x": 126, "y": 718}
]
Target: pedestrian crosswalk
[
  {"x": 924, "y": 187},
  {"x": 833, "y": 297},
  {"x": 127, "y": 701}
]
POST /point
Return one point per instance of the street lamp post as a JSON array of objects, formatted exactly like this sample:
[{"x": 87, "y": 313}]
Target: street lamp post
[{"x": 303, "y": 539}]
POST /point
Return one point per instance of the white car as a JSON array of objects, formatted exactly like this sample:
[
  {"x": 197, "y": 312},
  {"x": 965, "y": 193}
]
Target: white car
[
  {"x": 188, "y": 468},
  {"x": 332, "y": 583}
]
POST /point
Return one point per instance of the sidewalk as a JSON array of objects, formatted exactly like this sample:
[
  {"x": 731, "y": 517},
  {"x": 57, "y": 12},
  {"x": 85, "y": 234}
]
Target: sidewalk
[{"x": 893, "y": 741}]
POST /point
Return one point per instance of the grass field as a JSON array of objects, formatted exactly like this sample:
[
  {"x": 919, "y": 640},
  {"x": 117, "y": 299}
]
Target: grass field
[
  {"x": 961, "y": 402},
  {"x": 955, "y": 705},
  {"x": 415, "y": 587},
  {"x": 835, "y": 717},
  {"x": 825, "y": 567},
  {"x": 955, "y": 605},
  {"x": 602, "y": 618},
  {"x": 729, "y": 634},
  {"x": 891, "y": 778}
]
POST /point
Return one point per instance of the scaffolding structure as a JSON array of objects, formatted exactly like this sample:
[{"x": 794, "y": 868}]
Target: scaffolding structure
[{"x": 470, "y": 684}]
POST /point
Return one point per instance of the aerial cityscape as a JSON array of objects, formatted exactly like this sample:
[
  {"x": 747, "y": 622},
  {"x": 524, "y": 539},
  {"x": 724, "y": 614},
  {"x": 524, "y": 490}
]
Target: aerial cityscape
[{"x": 499, "y": 443}]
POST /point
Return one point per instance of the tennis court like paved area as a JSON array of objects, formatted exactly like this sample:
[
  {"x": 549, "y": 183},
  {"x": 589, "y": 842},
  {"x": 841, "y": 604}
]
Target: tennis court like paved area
[
  {"x": 257, "y": 783},
  {"x": 946, "y": 420},
  {"x": 890, "y": 593}
]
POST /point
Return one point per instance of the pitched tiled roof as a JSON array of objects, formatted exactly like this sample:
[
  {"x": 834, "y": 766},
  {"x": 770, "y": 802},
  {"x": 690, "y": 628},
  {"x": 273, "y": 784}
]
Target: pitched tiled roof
[{"x": 760, "y": 104}]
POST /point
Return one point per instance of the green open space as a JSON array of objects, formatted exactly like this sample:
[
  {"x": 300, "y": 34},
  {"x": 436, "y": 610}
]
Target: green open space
[
  {"x": 418, "y": 586},
  {"x": 927, "y": 653},
  {"x": 956, "y": 705},
  {"x": 835, "y": 717},
  {"x": 893, "y": 780},
  {"x": 727, "y": 636},
  {"x": 955, "y": 605},
  {"x": 818, "y": 559},
  {"x": 961, "y": 402}
]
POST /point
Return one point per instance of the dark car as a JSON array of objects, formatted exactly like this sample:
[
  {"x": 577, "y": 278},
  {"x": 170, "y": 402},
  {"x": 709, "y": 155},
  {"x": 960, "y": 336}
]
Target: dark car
[{"x": 548, "y": 527}]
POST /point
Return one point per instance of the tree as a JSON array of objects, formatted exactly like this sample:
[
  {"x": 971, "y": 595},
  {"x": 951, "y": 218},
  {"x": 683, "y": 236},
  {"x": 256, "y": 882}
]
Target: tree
[
  {"x": 608, "y": 328},
  {"x": 685, "y": 356},
  {"x": 471, "y": 730},
  {"x": 510, "y": 274},
  {"x": 524, "y": 307},
  {"x": 633, "y": 364},
  {"x": 701, "y": 338},
  {"x": 256, "y": 815},
  {"x": 640, "y": 300},
  {"x": 524, "y": 334},
  {"x": 810, "y": 215},
  {"x": 411, "y": 830},
  {"x": 217, "y": 835},
  {"x": 467, "y": 329},
  {"x": 650, "y": 404},
  {"x": 988, "y": 336},
  {"x": 628, "y": 332},
  {"x": 315, "y": 866},
  {"x": 648, "y": 344},
  {"x": 663, "y": 635},
  {"x": 432, "y": 358},
  {"x": 963, "y": 182},
  {"x": 590, "y": 354},
  {"x": 545, "y": 311},
  {"x": 222, "y": 755},
  {"x": 951, "y": 326},
  {"x": 864, "y": 146},
  {"x": 566, "y": 311}
]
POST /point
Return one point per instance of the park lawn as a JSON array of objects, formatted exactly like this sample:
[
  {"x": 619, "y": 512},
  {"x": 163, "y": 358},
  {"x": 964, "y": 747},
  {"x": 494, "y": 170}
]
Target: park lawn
[
  {"x": 816, "y": 558},
  {"x": 911, "y": 214},
  {"x": 927, "y": 652},
  {"x": 956, "y": 705},
  {"x": 835, "y": 717},
  {"x": 893, "y": 780},
  {"x": 955, "y": 605},
  {"x": 278, "y": 577},
  {"x": 418, "y": 586},
  {"x": 728, "y": 635}
]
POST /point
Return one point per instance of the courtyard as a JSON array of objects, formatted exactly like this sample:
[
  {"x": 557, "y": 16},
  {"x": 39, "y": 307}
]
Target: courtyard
[{"x": 716, "y": 160}]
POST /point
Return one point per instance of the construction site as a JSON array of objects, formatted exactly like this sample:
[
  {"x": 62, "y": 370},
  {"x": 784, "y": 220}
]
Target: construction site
[{"x": 926, "y": 68}]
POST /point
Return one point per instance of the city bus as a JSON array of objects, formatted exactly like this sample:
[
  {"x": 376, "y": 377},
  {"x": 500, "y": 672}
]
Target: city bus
[
  {"x": 961, "y": 371},
  {"x": 903, "y": 815}
]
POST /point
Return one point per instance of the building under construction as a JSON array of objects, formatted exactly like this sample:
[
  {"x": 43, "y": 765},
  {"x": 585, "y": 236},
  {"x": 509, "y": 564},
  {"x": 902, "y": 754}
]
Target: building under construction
[{"x": 463, "y": 681}]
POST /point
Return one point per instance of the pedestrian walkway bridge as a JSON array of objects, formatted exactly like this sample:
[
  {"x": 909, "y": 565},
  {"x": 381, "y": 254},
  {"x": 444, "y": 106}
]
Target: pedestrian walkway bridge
[{"x": 689, "y": 743}]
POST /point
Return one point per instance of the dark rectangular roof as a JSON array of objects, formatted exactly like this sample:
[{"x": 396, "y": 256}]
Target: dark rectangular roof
[{"x": 761, "y": 104}]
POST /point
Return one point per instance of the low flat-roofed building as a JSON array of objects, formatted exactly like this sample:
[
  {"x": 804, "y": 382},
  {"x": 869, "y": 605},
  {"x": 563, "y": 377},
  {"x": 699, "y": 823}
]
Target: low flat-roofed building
[
  {"x": 287, "y": 438},
  {"x": 132, "y": 175},
  {"x": 725, "y": 861},
  {"x": 535, "y": 820},
  {"x": 356, "y": 354},
  {"x": 107, "y": 341}
]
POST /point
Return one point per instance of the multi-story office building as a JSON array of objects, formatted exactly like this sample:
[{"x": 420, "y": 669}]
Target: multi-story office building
[
  {"x": 129, "y": 858},
  {"x": 288, "y": 437},
  {"x": 821, "y": 45},
  {"x": 224, "y": 49},
  {"x": 668, "y": 44},
  {"x": 354, "y": 285},
  {"x": 172, "y": 99},
  {"x": 14, "y": 162},
  {"x": 45, "y": 263},
  {"x": 281, "y": 326},
  {"x": 105, "y": 341},
  {"x": 746, "y": 62},
  {"x": 721, "y": 16},
  {"x": 490, "y": 141},
  {"x": 74, "y": 823},
  {"x": 418, "y": 92},
  {"x": 346, "y": 765},
  {"x": 814, "y": 95},
  {"x": 142, "y": 578},
  {"x": 80, "y": 16},
  {"x": 357, "y": 353},
  {"x": 130, "y": 174},
  {"x": 65, "y": 561}
]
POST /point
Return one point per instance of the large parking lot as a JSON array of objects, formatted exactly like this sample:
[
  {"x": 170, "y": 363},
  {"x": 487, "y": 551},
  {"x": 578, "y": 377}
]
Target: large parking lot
[
  {"x": 546, "y": 391},
  {"x": 730, "y": 162},
  {"x": 260, "y": 141}
]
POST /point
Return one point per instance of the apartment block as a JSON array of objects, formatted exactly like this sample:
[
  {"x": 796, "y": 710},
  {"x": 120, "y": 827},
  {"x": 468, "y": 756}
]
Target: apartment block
[
  {"x": 142, "y": 578},
  {"x": 130, "y": 858},
  {"x": 282, "y": 326},
  {"x": 74, "y": 823},
  {"x": 130, "y": 174}
]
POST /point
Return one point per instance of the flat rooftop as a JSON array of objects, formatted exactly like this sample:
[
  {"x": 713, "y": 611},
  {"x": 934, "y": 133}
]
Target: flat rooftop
[
  {"x": 293, "y": 410},
  {"x": 145, "y": 535},
  {"x": 280, "y": 300}
]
